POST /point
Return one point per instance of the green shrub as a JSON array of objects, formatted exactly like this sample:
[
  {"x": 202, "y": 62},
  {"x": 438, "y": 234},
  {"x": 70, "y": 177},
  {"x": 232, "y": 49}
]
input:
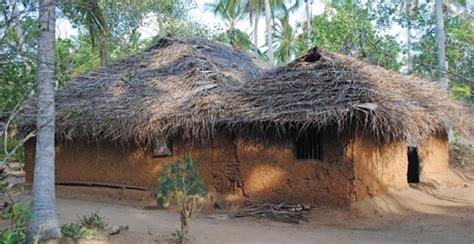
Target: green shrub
[
  {"x": 182, "y": 182},
  {"x": 73, "y": 230},
  {"x": 89, "y": 226},
  {"x": 19, "y": 215},
  {"x": 19, "y": 155},
  {"x": 93, "y": 220}
]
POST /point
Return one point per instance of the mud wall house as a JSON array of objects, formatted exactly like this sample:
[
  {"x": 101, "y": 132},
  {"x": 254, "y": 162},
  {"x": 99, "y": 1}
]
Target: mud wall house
[{"x": 324, "y": 129}]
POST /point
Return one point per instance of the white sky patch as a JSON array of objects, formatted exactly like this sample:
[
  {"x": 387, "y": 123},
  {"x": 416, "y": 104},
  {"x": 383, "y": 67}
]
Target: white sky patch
[
  {"x": 149, "y": 27},
  {"x": 64, "y": 29}
]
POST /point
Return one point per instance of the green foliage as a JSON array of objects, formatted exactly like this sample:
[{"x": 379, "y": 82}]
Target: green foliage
[
  {"x": 93, "y": 220},
  {"x": 461, "y": 154},
  {"x": 348, "y": 28},
  {"x": 182, "y": 182},
  {"x": 459, "y": 48},
  {"x": 18, "y": 214},
  {"x": 181, "y": 177},
  {"x": 178, "y": 236},
  {"x": 17, "y": 57},
  {"x": 19, "y": 155},
  {"x": 73, "y": 230},
  {"x": 232, "y": 11},
  {"x": 286, "y": 40},
  {"x": 89, "y": 226}
]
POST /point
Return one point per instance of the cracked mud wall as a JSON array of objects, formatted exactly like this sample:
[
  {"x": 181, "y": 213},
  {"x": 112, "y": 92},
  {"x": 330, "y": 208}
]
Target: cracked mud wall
[
  {"x": 378, "y": 167},
  {"x": 260, "y": 169},
  {"x": 271, "y": 172},
  {"x": 434, "y": 154},
  {"x": 263, "y": 169},
  {"x": 105, "y": 162}
]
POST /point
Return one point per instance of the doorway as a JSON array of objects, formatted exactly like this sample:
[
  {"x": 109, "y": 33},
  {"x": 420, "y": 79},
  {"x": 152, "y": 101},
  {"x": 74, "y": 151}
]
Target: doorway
[{"x": 413, "y": 175}]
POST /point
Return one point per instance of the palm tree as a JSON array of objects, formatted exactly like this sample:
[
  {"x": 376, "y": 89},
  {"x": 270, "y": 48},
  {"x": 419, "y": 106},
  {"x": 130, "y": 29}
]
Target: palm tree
[
  {"x": 441, "y": 40},
  {"x": 232, "y": 11},
  {"x": 308, "y": 19},
  {"x": 407, "y": 9},
  {"x": 268, "y": 23},
  {"x": 91, "y": 15},
  {"x": 285, "y": 40},
  {"x": 255, "y": 8},
  {"x": 44, "y": 223}
]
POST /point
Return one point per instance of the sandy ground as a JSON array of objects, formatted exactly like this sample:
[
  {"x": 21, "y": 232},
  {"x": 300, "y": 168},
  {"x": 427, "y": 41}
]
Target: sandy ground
[{"x": 440, "y": 211}]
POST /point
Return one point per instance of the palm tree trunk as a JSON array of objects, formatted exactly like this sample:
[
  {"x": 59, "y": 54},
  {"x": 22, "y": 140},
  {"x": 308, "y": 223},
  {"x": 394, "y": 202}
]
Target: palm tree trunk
[
  {"x": 409, "y": 58},
  {"x": 103, "y": 53},
  {"x": 441, "y": 39},
  {"x": 308, "y": 21},
  {"x": 268, "y": 20},
  {"x": 44, "y": 223},
  {"x": 255, "y": 32}
]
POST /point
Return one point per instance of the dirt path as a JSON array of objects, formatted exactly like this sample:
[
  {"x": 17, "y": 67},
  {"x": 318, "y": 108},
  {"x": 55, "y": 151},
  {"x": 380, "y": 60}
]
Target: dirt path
[{"x": 438, "y": 212}]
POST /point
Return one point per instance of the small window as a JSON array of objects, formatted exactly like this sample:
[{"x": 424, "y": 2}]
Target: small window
[
  {"x": 309, "y": 146},
  {"x": 161, "y": 148}
]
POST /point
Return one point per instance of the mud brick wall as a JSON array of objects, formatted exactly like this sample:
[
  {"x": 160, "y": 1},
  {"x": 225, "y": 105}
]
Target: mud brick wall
[
  {"x": 434, "y": 154},
  {"x": 105, "y": 162},
  {"x": 378, "y": 167},
  {"x": 263, "y": 169},
  {"x": 271, "y": 172}
]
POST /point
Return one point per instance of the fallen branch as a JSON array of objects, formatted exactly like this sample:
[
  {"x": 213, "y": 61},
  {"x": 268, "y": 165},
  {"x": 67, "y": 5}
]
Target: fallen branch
[{"x": 287, "y": 213}]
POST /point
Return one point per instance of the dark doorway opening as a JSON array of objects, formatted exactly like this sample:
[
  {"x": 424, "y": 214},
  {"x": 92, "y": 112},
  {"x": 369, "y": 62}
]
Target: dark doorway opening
[{"x": 413, "y": 174}]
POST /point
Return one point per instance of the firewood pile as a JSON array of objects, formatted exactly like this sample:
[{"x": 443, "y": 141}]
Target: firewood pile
[
  {"x": 287, "y": 213},
  {"x": 12, "y": 169}
]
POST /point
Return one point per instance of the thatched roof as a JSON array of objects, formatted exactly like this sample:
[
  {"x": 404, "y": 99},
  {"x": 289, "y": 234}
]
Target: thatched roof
[
  {"x": 189, "y": 87},
  {"x": 333, "y": 89},
  {"x": 176, "y": 86}
]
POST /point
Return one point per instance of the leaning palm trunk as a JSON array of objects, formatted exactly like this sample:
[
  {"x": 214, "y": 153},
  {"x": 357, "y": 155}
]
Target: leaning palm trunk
[
  {"x": 441, "y": 39},
  {"x": 44, "y": 224},
  {"x": 268, "y": 20},
  {"x": 255, "y": 32}
]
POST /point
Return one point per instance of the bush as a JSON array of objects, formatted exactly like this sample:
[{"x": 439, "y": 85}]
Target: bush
[
  {"x": 19, "y": 155},
  {"x": 461, "y": 154},
  {"x": 89, "y": 226},
  {"x": 19, "y": 215},
  {"x": 182, "y": 182},
  {"x": 93, "y": 220},
  {"x": 73, "y": 230}
]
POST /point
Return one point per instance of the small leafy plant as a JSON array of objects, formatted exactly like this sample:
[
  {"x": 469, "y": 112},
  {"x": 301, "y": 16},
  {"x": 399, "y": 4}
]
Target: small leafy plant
[
  {"x": 183, "y": 184},
  {"x": 93, "y": 220},
  {"x": 18, "y": 214},
  {"x": 89, "y": 226},
  {"x": 73, "y": 230}
]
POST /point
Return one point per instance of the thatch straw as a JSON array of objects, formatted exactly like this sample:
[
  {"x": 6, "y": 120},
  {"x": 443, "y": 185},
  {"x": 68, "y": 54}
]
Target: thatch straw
[
  {"x": 189, "y": 87},
  {"x": 343, "y": 91},
  {"x": 176, "y": 86}
]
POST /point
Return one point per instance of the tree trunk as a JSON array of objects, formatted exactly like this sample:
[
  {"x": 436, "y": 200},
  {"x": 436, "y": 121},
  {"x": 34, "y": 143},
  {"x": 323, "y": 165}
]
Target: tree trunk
[
  {"x": 441, "y": 39},
  {"x": 409, "y": 58},
  {"x": 103, "y": 53},
  {"x": 308, "y": 21},
  {"x": 268, "y": 20},
  {"x": 255, "y": 32},
  {"x": 44, "y": 223}
]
